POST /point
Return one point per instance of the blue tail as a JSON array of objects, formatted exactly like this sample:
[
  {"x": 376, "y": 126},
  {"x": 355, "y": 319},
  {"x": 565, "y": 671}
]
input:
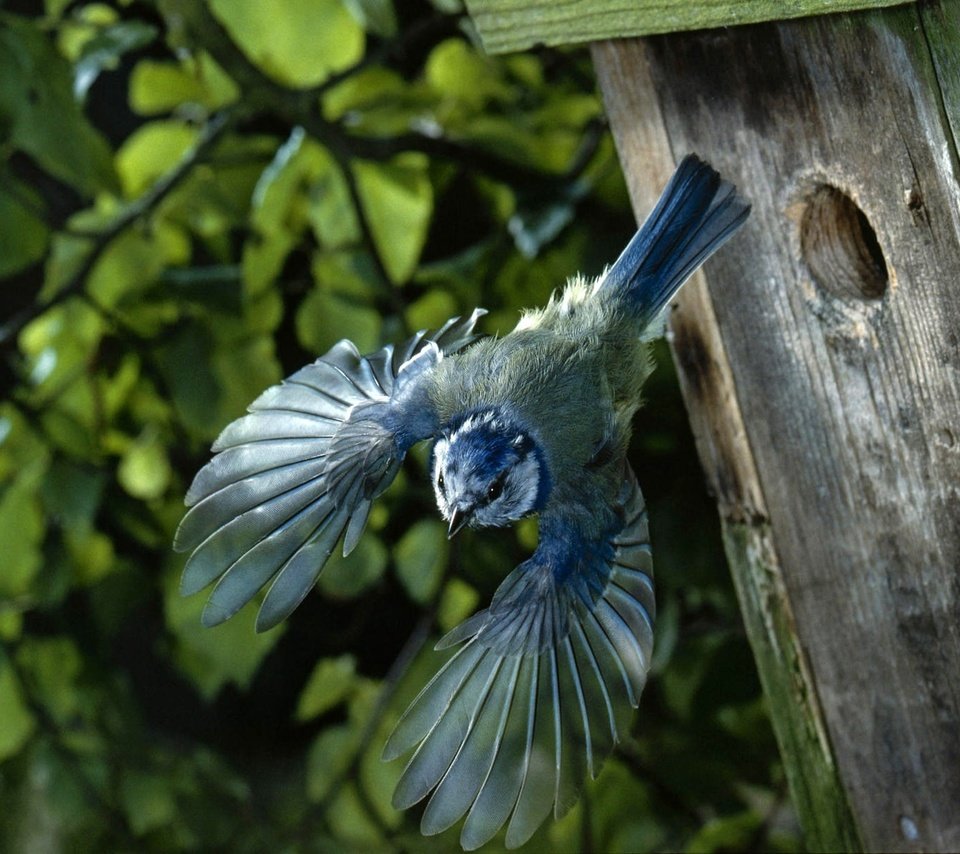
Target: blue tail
[{"x": 696, "y": 214}]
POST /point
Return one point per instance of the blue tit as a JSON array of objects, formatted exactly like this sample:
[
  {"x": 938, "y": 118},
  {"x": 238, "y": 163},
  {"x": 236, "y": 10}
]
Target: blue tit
[{"x": 542, "y": 684}]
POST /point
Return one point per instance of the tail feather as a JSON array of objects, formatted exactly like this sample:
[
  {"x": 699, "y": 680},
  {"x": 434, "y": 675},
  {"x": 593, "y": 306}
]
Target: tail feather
[{"x": 696, "y": 214}]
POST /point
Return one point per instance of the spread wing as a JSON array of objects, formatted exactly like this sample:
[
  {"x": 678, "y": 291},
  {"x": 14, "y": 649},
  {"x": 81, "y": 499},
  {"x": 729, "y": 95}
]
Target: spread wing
[
  {"x": 543, "y": 685},
  {"x": 302, "y": 468}
]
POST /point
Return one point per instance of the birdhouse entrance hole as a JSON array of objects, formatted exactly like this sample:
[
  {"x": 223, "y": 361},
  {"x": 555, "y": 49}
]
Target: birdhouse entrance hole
[{"x": 840, "y": 246}]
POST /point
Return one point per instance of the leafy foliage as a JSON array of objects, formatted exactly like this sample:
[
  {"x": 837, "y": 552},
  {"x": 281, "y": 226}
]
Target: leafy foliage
[{"x": 197, "y": 198}]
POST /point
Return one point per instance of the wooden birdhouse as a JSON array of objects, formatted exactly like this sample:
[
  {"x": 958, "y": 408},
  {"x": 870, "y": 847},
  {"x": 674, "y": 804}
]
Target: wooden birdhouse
[{"x": 819, "y": 357}]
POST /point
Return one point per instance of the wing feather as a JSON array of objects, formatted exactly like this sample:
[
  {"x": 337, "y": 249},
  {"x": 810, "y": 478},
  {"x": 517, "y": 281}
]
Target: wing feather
[
  {"x": 235, "y": 537},
  {"x": 301, "y": 469},
  {"x": 244, "y": 578},
  {"x": 270, "y": 493},
  {"x": 438, "y": 749},
  {"x": 432, "y": 701},
  {"x": 298, "y": 575},
  {"x": 271, "y": 425},
  {"x": 539, "y": 788},
  {"x": 461, "y": 784},
  {"x": 498, "y": 795},
  {"x": 244, "y": 461},
  {"x": 565, "y": 646},
  {"x": 575, "y": 757}
]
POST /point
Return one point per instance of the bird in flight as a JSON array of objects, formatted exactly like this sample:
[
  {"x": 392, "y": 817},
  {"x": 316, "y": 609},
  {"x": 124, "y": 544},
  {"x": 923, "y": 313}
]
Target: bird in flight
[{"x": 543, "y": 682}]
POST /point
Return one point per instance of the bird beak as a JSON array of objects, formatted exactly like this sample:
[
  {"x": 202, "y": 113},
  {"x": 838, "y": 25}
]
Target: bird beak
[{"x": 458, "y": 518}]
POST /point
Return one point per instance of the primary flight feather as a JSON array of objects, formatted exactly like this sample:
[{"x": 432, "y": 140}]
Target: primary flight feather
[{"x": 543, "y": 683}]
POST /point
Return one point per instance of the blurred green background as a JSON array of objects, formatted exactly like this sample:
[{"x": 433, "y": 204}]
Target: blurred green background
[{"x": 197, "y": 198}]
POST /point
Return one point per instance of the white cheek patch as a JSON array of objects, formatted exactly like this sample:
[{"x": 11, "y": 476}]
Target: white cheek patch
[
  {"x": 524, "y": 485},
  {"x": 518, "y": 498}
]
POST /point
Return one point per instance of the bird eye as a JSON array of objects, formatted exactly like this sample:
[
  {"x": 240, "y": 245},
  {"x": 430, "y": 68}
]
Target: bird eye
[
  {"x": 496, "y": 488},
  {"x": 440, "y": 482}
]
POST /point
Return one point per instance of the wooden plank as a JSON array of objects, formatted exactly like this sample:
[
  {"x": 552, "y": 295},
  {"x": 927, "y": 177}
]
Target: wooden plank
[
  {"x": 941, "y": 26},
  {"x": 825, "y": 395},
  {"x": 510, "y": 25},
  {"x": 707, "y": 380}
]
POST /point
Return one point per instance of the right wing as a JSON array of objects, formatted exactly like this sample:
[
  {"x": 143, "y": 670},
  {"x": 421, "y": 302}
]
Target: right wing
[
  {"x": 302, "y": 469},
  {"x": 542, "y": 687}
]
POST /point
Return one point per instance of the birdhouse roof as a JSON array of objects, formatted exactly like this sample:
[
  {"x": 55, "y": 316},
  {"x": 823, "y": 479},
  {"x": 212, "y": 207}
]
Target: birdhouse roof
[{"x": 512, "y": 25}]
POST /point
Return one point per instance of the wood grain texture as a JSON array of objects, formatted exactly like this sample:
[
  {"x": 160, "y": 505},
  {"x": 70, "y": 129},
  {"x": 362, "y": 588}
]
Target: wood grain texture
[
  {"x": 833, "y": 444},
  {"x": 717, "y": 423},
  {"x": 509, "y": 25}
]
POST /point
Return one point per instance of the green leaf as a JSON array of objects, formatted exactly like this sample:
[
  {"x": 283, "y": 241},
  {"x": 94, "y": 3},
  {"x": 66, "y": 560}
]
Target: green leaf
[
  {"x": 459, "y": 601},
  {"x": 59, "y": 345},
  {"x": 11, "y": 624},
  {"x": 244, "y": 366},
  {"x": 690, "y": 666},
  {"x": 397, "y": 199},
  {"x": 211, "y": 658},
  {"x": 350, "y": 820},
  {"x": 297, "y": 160},
  {"x": 82, "y": 26},
  {"x": 347, "y": 273},
  {"x": 213, "y": 375},
  {"x": 72, "y": 493},
  {"x": 324, "y": 318},
  {"x": 378, "y": 778},
  {"x": 533, "y": 228},
  {"x": 22, "y": 526},
  {"x": 68, "y": 252},
  {"x": 421, "y": 556},
  {"x": 347, "y": 577},
  {"x": 144, "y": 471},
  {"x": 21, "y": 447},
  {"x": 263, "y": 259},
  {"x": 55, "y": 8},
  {"x": 330, "y": 683},
  {"x": 23, "y": 235},
  {"x": 159, "y": 87},
  {"x": 147, "y": 801},
  {"x": 51, "y": 667},
  {"x": 297, "y": 42},
  {"x": 150, "y": 152},
  {"x": 456, "y": 70},
  {"x": 330, "y": 755},
  {"x": 375, "y": 16},
  {"x": 369, "y": 89},
  {"x": 280, "y": 207},
  {"x": 186, "y": 366},
  {"x": 727, "y": 833},
  {"x": 127, "y": 267},
  {"x": 16, "y": 722},
  {"x": 38, "y": 111},
  {"x": 431, "y": 311},
  {"x": 104, "y": 51},
  {"x": 92, "y": 554},
  {"x": 622, "y": 814},
  {"x": 331, "y": 212}
]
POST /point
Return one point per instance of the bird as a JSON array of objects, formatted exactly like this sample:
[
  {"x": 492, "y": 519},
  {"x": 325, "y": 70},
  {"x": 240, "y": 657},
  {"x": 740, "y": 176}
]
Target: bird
[{"x": 543, "y": 683}]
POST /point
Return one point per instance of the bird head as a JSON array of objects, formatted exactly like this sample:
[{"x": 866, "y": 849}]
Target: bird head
[{"x": 487, "y": 472}]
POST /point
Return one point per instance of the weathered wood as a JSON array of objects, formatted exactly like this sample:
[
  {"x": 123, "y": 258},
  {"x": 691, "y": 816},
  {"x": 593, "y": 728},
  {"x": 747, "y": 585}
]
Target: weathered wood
[
  {"x": 508, "y": 25},
  {"x": 722, "y": 443},
  {"x": 822, "y": 374}
]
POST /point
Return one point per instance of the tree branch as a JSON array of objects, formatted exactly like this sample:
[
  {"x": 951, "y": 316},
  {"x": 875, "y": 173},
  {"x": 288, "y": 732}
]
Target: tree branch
[{"x": 139, "y": 207}]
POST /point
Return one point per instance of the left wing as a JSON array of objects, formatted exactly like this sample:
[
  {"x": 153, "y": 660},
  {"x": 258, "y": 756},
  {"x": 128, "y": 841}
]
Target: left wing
[
  {"x": 302, "y": 468},
  {"x": 542, "y": 688}
]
